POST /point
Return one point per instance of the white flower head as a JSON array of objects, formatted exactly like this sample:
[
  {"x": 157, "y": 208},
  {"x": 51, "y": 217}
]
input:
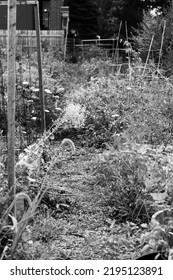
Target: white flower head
[{"x": 75, "y": 115}]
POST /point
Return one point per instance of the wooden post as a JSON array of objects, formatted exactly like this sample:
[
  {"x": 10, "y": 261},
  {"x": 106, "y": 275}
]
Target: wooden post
[
  {"x": 116, "y": 52},
  {"x": 41, "y": 88},
  {"x": 11, "y": 89},
  {"x": 66, "y": 37}
]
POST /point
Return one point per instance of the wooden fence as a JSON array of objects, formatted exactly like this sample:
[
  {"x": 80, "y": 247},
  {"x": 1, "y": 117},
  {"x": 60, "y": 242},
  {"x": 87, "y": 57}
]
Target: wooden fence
[{"x": 27, "y": 38}]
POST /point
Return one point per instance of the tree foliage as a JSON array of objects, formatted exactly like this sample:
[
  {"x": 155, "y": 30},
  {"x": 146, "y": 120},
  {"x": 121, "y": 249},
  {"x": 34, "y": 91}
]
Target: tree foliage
[
  {"x": 83, "y": 18},
  {"x": 154, "y": 25},
  {"x": 91, "y": 17},
  {"x": 112, "y": 12}
]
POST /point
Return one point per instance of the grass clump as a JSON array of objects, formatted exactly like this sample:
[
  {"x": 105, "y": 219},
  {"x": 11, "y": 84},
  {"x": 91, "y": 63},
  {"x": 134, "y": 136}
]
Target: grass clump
[
  {"x": 119, "y": 175},
  {"x": 135, "y": 181}
]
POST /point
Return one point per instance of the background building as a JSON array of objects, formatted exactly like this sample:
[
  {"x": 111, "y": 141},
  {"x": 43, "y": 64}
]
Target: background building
[{"x": 52, "y": 15}]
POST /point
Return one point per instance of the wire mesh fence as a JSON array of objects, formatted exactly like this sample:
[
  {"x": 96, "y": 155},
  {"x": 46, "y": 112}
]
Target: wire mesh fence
[
  {"x": 27, "y": 105},
  {"x": 27, "y": 119}
]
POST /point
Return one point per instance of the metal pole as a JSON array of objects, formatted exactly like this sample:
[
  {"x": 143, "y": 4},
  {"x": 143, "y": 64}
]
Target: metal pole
[
  {"x": 41, "y": 88},
  {"x": 11, "y": 89}
]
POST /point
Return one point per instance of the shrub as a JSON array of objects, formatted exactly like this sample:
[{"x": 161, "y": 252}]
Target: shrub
[{"x": 87, "y": 53}]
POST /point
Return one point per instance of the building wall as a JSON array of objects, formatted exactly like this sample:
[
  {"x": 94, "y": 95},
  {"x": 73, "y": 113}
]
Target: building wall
[
  {"x": 55, "y": 14},
  {"x": 25, "y": 15}
]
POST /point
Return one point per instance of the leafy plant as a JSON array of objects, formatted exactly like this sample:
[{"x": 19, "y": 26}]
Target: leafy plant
[{"x": 160, "y": 236}]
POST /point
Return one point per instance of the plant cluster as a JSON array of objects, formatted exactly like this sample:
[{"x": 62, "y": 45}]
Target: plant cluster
[
  {"x": 159, "y": 237},
  {"x": 135, "y": 181},
  {"x": 28, "y": 167},
  {"x": 137, "y": 104}
]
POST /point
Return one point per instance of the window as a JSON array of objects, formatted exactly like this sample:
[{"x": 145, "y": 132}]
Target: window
[
  {"x": 45, "y": 14},
  {"x": 45, "y": 20}
]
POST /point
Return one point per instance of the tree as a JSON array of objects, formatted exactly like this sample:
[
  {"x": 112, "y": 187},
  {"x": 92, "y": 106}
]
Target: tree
[
  {"x": 83, "y": 18},
  {"x": 108, "y": 23},
  {"x": 161, "y": 5},
  {"x": 90, "y": 18},
  {"x": 161, "y": 27},
  {"x": 112, "y": 12}
]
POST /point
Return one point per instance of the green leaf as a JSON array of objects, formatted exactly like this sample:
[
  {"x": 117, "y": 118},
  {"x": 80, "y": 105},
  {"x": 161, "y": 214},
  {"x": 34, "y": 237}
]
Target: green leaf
[
  {"x": 159, "y": 197},
  {"x": 144, "y": 225}
]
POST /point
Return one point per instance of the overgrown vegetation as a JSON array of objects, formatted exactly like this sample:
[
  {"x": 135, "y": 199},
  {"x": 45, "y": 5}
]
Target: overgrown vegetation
[{"x": 116, "y": 175}]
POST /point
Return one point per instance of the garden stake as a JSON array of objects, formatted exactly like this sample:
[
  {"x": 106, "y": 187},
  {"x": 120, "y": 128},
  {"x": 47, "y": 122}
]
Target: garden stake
[
  {"x": 160, "y": 53},
  {"x": 148, "y": 55},
  {"x": 116, "y": 54},
  {"x": 127, "y": 39}
]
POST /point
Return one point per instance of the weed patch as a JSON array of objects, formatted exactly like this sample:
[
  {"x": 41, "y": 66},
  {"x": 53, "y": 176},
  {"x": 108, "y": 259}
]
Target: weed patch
[{"x": 135, "y": 181}]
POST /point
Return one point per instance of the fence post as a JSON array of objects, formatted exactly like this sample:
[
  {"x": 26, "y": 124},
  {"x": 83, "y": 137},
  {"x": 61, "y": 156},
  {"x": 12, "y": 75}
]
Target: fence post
[
  {"x": 74, "y": 46},
  {"x": 41, "y": 88},
  {"x": 11, "y": 89},
  {"x": 66, "y": 37}
]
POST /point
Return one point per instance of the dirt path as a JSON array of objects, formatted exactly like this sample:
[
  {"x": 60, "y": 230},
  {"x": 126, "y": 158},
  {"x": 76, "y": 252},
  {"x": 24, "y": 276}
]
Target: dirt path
[
  {"x": 83, "y": 231},
  {"x": 83, "y": 227}
]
